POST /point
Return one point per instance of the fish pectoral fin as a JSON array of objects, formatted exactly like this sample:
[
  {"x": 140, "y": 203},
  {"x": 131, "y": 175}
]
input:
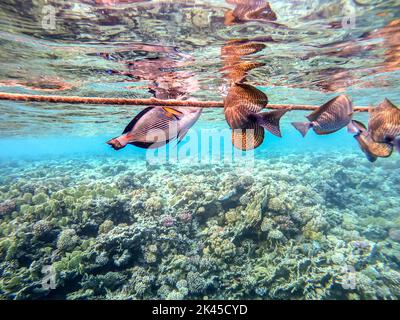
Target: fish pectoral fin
[
  {"x": 172, "y": 112},
  {"x": 386, "y": 104}
]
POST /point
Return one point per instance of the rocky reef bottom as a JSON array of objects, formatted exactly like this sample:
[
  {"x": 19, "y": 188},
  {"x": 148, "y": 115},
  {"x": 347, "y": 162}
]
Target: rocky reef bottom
[{"x": 300, "y": 226}]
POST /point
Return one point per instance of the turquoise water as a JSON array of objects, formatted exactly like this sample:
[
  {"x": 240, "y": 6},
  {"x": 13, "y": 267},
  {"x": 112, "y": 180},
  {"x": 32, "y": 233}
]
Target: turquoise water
[{"x": 296, "y": 218}]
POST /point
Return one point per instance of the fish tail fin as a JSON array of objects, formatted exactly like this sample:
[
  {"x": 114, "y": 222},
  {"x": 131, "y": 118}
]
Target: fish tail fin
[
  {"x": 356, "y": 127},
  {"x": 117, "y": 143},
  {"x": 302, "y": 127},
  {"x": 270, "y": 121},
  {"x": 351, "y": 129}
]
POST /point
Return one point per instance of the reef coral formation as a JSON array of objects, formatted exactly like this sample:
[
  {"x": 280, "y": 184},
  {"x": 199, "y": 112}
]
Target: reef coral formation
[{"x": 295, "y": 227}]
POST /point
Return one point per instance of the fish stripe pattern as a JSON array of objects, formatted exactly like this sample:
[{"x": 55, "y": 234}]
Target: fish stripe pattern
[
  {"x": 384, "y": 122},
  {"x": 332, "y": 116},
  {"x": 242, "y": 101},
  {"x": 249, "y": 138}
]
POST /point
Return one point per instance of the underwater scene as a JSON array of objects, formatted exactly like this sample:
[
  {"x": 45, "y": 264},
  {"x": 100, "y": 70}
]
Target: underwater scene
[{"x": 199, "y": 149}]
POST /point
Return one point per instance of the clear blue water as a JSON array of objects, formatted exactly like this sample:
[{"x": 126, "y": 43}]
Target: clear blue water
[{"x": 296, "y": 218}]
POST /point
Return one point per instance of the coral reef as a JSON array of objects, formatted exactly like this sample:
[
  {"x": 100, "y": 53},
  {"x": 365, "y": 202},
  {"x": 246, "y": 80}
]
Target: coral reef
[{"x": 298, "y": 229}]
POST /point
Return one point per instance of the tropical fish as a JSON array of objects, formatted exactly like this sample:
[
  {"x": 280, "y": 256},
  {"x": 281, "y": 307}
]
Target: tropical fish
[
  {"x": 154, "y": 127},
  {"x": 330, "y": 117},
  {"x": 372, "y": 149},
  {"x": 242, "y": 108},
  {"x": 384, "y": 124}
]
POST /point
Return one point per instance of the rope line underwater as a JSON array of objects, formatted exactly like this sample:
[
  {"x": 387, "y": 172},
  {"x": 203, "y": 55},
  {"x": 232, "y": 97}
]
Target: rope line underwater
[{"x": 146, "y": 102}]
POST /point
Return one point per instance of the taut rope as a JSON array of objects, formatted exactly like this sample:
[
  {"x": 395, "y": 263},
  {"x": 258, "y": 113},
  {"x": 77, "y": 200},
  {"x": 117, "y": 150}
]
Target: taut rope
[{"x": 144, "y": 102}]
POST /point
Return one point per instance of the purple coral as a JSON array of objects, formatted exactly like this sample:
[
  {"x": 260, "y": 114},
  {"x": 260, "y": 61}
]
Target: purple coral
[
  {"x": 168, "y": 221},
  {"x": 285, "y": 223},
  {"x": 186, "y": 217},
  {"x": 394, "y": 234},
  {"x": 360, "y": 244},
  {"x": 7, "y": 207}
]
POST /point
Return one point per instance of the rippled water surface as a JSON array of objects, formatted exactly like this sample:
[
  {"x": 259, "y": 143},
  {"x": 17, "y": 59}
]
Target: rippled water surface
[
  {"x": 120, "y": 48},
  {"x": 297, "y": 218}
]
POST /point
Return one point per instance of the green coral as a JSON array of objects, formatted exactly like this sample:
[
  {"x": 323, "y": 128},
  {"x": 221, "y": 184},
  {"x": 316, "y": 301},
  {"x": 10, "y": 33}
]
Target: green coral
[
  {"x": 72, "y": 261},
  {"x": 106, "y": 226},
  {"x": 175, "y": 295},
  {"x": 39, "y": 198},
  {"x": 67, "y": 240}
]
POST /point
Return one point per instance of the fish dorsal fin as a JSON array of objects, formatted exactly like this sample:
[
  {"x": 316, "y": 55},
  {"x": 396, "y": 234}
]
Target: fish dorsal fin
[
  {"x": 315, "y": 115},
  {"x": 386, "y": 104},
  {"x": 131, "y": 124}
]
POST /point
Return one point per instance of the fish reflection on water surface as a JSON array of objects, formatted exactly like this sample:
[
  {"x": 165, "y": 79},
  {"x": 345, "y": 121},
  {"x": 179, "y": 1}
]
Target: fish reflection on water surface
[{"x": 249, "y": 11}]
